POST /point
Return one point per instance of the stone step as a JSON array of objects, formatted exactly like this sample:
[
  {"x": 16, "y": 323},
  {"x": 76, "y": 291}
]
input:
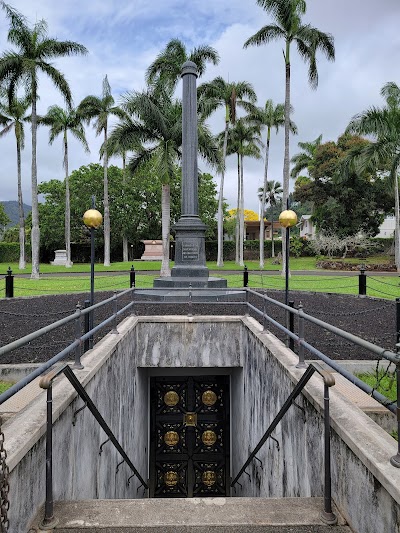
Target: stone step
[{"x": 198, "y": 515}]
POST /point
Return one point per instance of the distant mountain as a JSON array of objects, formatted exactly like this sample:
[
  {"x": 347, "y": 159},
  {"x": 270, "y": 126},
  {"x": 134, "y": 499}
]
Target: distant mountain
[{"x": 11, "y": 209}]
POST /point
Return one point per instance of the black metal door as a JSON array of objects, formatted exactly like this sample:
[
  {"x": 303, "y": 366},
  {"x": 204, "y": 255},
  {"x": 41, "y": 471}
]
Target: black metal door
[{"x": 189, "y": 438}]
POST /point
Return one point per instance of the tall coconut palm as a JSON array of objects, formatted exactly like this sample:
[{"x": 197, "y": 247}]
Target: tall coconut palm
[
  {"x": 166, "y": 68},
  {"x": 101, "y": 109},
  {"x": 289, "y": 27},
  {"x": 269, "y": 195},
  {"x": 35, "y": 54},
  {"x": 244, "y": 139},
  {"x": 230, "y": 96},
  {"x": 12, "y": 117},
  {"x": 152, "y": 130},
  {"x": 305, "y": 160},
  {"x": 384, "y": 125},
  {"x": 270, "y": 116},
  {"x": 60, "y": 122}
]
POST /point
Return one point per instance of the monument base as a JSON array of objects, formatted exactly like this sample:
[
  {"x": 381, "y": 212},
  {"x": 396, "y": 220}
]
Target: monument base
[{"x": 186, "y": 282}]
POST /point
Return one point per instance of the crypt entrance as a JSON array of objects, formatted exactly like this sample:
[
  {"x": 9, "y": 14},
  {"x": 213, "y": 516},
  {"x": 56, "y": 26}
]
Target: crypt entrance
[{"x": 189, "y": 436}]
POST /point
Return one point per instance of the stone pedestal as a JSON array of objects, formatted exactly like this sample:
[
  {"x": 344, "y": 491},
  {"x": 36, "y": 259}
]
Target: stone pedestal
[
  {"x": 60, "y": 258},
  {"x": 152, "y": 251}
]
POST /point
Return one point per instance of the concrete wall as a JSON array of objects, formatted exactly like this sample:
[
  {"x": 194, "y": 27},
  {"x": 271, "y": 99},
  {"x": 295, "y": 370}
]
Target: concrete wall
[{"x": 365, "y": 486}]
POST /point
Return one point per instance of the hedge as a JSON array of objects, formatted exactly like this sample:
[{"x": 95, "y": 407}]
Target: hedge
[{"x": 9, "y": 252}]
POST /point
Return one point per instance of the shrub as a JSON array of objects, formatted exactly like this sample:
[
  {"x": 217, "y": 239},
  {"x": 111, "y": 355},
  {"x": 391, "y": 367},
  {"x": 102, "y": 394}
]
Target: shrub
[{"x": 9, "y": 252}]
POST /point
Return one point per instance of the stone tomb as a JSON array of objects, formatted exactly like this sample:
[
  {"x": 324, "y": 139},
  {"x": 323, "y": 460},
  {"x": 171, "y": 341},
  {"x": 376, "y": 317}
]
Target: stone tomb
[{"x": 152, "y": 251}]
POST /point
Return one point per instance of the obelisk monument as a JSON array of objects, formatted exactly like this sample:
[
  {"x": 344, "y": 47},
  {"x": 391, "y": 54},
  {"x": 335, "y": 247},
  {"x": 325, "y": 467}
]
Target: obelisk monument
[{"x": 190, "y": 260}]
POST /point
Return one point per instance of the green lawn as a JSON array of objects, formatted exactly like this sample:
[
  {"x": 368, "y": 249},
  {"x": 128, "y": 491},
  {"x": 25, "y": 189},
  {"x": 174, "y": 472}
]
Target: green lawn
[{"x": 4, "y": 385}]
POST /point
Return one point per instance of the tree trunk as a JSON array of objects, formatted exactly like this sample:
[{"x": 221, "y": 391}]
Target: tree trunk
[
  {"x": 241, "y": 260},
  {"x": 106, "y": 206},
  {"x": 237, "y": 225},
  {"x": 262, "y": 230},
  {"x": 35, "y": 234},
  {"x": 68, "y": 263},
  {"x": 220, "y": 218},
  {"x": 397, "y": 219},
  {"x": 165, "y": 219},
  {"x": 125, "y": 256},
  {"x": 272, "y": 232},
  {"x": 285, "y": 195},
  {"x": 22, "y": 262}
]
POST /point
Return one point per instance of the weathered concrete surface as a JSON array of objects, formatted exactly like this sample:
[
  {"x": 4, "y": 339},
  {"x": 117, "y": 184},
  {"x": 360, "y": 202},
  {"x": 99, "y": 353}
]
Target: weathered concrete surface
[
  {"x": 194, "y": 514},
  {"x": 366, "y": 487},
  {"x": 14, "y": 373}
]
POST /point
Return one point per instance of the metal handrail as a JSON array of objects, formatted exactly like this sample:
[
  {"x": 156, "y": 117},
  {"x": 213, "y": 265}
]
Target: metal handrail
[{"x": 47, "y": 383}]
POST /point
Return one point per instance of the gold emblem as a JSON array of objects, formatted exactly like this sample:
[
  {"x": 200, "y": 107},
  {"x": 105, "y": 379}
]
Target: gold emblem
[
  {"x": 171, "y": 478},
  {"x": 209, "y": 397},
  {"x": 208, "y": 478},
  {"x": 190, "y": 419},
  {"x": 171, "y": 398},
  {"x": 171, "y": 438},
  {"x": 209, "y": 438}
]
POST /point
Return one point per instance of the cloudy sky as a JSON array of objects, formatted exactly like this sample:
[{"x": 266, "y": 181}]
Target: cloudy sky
[{"x": 123, "y": 37}]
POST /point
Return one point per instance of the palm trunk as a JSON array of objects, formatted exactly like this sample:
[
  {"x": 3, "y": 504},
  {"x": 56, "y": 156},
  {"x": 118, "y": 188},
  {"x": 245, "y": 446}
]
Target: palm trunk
[
  {"x": 125, "y": 257},
  {"x": 285, "y": 195},
  {"x": 35, "y": 233},
  {"x": 22, "y": 263},
  {"x": 220, "y": 218},
  {"x": 262, "y": 231},
  {"x": 272, "y": 232},
  {"x": 68, "y": 263},
  {"x": 397, "y": 219},
  {"x": 106, "y": 206},
  {"x": 165, "y": 222},
  {"x": 237, "y": 225},
  {"x": 241, "y": 260}
]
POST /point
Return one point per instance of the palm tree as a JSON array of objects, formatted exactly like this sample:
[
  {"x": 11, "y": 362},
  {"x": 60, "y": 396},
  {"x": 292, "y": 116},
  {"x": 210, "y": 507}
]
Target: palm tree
[
  {"x": 230, "y": 96},
  {"x": 244, "y": 139},
  {"x": 61, "y": 121},
  {"x": 12, "y": 116},
  {"x": 152, "y": 130},
  {"x": 289, "y": 27},
  {"x": 269, "y": 195},
  {"x": 166, "y": 68},
  {"x": 305, "y": 160},
  {"x": 270, "y": 117},
  {"x": 35, "y": 53},
  {"x": 100, "y": 109},
  {"x": 384, "y": 125}
]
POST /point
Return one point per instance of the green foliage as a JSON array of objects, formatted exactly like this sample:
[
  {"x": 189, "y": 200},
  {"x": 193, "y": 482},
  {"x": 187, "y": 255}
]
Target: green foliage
[
  {"x": 9, "y": 252},
  {"x": 383, "y": 382},
  {"x": 4, "y": 220},
  {"x": 299, "y": 247}
]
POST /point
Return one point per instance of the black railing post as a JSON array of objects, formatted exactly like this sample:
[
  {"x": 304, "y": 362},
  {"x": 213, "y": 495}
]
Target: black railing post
[
  {"x": 291, "y": 326},
  {"x": 395, "y": 460},
  {"x": 86, "y": 322},
  {"x": 78, "y": 333},
  {"x": 9, "y": 284},
  {"x": 327, "y": 515},
  {"x": 132, "y": 277},
  {"x": 301, "y": 363},
  {"x": 397, "y": 321},
  {"x": 245, "y": 277},
  {"x": 115, "y": 316},
  {"x": 362, "y": 283},
  {"x": 49, "y": 521}
]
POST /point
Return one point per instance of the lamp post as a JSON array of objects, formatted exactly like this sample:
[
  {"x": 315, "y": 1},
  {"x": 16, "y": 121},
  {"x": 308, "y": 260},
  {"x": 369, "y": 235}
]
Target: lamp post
[{"x": 92, "y": 220}]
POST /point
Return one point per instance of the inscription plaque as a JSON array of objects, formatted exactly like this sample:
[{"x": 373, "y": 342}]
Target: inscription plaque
[{"x": 190, "y": 251}]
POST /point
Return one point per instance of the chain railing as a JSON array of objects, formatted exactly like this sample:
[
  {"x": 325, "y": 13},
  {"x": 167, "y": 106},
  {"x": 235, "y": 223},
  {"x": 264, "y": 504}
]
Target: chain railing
[{"x": 4, "y": 485}]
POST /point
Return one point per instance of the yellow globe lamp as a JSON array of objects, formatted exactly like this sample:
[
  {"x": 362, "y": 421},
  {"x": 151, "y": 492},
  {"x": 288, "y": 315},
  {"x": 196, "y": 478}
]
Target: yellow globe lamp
[
  {"x": 288, "y": 218},
  {"x": 92, "y": 218}
]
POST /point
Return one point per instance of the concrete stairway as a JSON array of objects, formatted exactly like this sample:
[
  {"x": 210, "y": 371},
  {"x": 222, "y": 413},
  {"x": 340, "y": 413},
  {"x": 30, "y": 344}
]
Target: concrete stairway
[{"x": 198, "y": 515}]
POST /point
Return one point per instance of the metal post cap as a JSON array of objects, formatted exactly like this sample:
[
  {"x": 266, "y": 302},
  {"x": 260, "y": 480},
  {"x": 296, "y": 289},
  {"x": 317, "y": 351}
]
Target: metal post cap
[
  {"x": 189, "y": 67},
  {"x": 92, "y": 218},
  {"x": 288, "y": 218}
]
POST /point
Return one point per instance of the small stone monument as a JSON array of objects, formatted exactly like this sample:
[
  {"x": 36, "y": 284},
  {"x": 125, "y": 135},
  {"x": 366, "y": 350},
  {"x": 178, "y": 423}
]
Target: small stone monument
[
  {"x": 152, "y": 251},
  {"x": 60, "y": 258}
]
